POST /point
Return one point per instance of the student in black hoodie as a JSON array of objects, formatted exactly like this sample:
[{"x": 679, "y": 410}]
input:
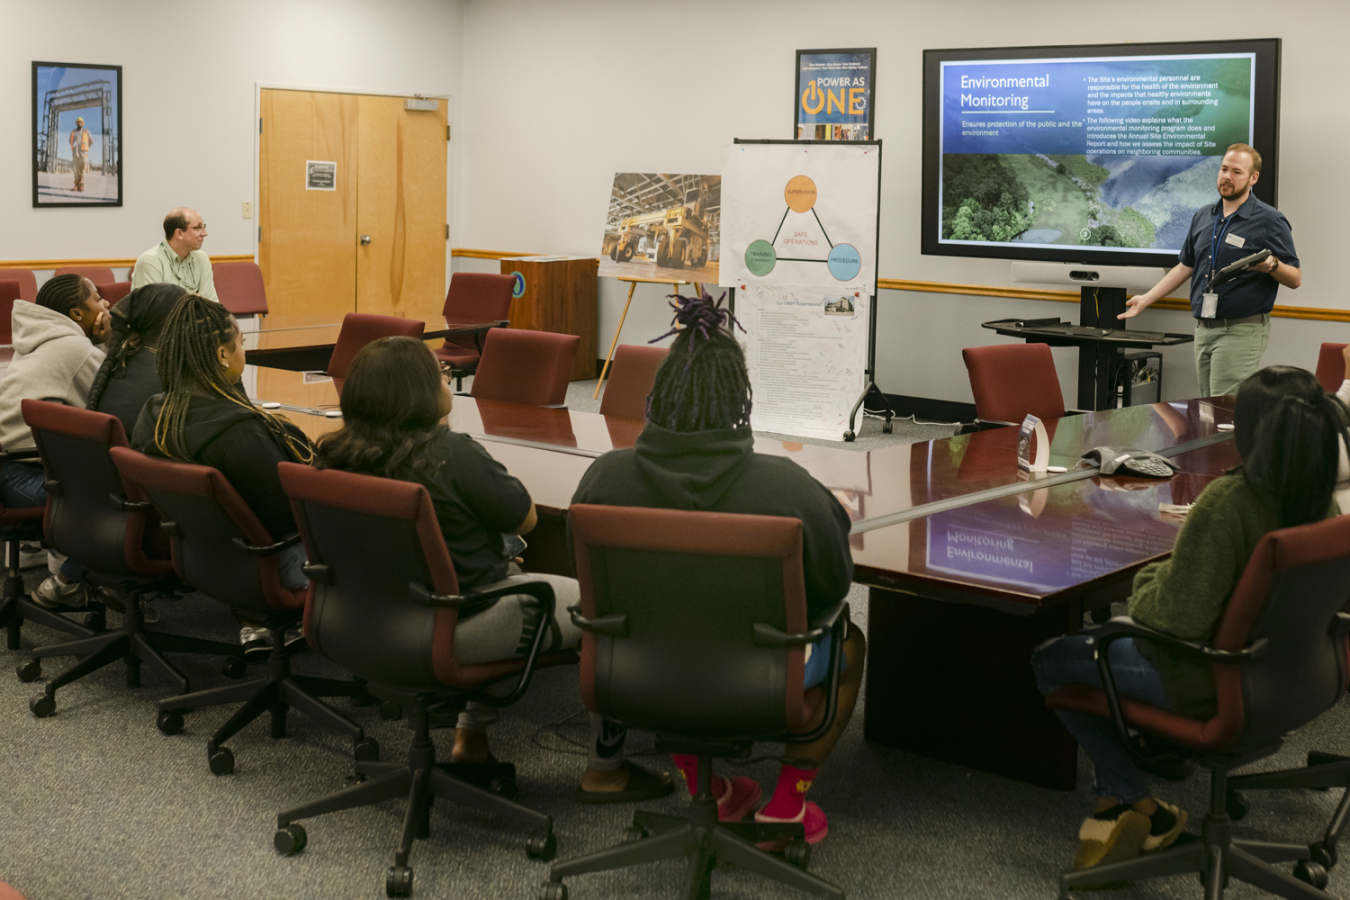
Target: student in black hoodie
[
  {"x": 204, "y": 417},
  {"x": 128, "y": 377},
  {"x": 697, "y": 453}
]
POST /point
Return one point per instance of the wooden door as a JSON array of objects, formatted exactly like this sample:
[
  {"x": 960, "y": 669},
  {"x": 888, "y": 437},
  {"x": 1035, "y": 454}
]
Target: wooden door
[
  {"x": 306, "y": 245},
  {"x": 401, "y": 190}
]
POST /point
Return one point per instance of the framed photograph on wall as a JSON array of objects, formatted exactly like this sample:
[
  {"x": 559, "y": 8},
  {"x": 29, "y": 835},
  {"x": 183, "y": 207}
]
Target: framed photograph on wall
[
  {"x": 835, "y": 95},
  {"x": 77, "y": 134}
]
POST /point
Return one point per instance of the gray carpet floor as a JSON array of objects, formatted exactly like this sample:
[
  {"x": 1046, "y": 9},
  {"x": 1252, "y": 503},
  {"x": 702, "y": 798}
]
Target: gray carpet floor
[{"x": 96, "y": 804}]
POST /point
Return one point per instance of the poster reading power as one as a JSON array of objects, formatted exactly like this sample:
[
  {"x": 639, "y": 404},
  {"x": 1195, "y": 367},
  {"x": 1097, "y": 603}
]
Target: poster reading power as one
[{"x": 834, "y": 94}]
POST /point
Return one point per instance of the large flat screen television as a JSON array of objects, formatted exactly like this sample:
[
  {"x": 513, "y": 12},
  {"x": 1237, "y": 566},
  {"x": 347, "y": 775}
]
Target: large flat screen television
[{"x": 1089, "y": 154}]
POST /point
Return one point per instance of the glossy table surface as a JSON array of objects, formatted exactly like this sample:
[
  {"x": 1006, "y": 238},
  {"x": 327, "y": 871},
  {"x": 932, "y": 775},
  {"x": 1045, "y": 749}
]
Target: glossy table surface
[{"x": 313, "y": 331}]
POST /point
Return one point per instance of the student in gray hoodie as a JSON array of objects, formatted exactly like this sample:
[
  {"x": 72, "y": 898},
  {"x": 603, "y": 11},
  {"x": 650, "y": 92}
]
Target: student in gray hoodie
[{"x": 57, "y": 350}]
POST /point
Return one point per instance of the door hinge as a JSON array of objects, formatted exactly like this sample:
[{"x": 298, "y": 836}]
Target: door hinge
[
  {"x": 259, "y": 124},
  {"x": 447, "y": 132},
  {"x": 447, "y": 231}
]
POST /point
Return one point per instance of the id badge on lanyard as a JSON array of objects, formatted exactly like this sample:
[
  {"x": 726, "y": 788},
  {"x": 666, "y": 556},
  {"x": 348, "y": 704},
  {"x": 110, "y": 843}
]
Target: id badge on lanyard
[{"x": 1209, "y": 301}]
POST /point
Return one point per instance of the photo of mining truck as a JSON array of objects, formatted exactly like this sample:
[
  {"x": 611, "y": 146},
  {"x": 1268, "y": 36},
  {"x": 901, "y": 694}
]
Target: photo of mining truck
[{"x": 680, "y": 234}]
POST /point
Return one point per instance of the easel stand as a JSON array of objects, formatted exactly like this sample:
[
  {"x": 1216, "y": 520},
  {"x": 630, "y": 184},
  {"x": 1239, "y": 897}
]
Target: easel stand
[
  {"x": 870, "y": 389},
  {"x": 1097, "y": 362},
  {"x": 632, "y": 286}
]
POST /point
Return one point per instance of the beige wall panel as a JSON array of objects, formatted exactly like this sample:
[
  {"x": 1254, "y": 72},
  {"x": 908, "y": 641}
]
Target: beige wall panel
[{"x": 308, "y": 248}]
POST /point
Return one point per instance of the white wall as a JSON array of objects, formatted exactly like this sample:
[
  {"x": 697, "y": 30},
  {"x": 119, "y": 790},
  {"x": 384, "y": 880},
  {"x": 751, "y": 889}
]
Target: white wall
[
  {"x": 189, "y": 71},
  {"x": 560, "y": 96}
]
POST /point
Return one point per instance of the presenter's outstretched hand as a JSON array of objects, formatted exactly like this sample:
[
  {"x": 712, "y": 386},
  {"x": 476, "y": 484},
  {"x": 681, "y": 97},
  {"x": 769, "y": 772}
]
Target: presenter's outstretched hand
[{"x": 1133, "y": 307}]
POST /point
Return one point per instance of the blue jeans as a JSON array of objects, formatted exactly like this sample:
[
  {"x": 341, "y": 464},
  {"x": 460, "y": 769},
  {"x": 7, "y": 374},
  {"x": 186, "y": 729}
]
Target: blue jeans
[
  {"x": 21, "y": 488},
  {"x": 1068, "y": 660},
  {"x": 290, "y": 561}
]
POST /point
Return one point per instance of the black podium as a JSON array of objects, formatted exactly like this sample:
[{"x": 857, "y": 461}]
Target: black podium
[{"x": 1100, "y": 337}]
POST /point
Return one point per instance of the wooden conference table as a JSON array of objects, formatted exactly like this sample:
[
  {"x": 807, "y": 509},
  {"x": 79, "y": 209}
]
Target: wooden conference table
[
  {"x": 970, "y": 563},
  {"x": 305, "y": 343}
]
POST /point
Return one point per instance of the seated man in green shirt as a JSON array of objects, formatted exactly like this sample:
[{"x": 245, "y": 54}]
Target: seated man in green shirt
[
  {"x": 1288, "y": 434},
  {"x": 179, "y": 258}
]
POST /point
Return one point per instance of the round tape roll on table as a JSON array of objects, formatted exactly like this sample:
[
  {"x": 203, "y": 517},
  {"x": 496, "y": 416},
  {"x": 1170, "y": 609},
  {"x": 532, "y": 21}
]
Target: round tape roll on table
[{"x": 1225, "y": 427}]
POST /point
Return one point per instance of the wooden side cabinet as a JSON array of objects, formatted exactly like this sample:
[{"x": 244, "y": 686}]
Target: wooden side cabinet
[{"x": 558, "y": 294}]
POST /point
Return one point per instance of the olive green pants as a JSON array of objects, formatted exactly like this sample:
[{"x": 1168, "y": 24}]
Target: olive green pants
[{"x": 1226, "y": 355}]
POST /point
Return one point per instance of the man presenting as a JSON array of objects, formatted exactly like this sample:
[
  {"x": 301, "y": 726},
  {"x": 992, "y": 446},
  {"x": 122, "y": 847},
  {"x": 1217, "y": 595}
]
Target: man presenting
[
  {"x": 80, "y": 142},
  {"x": 1232, "y": 321},
  {"x": 179, "y": 258}
]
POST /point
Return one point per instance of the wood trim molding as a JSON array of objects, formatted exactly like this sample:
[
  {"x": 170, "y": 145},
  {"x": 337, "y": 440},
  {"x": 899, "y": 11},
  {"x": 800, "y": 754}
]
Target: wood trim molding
[
  {"x": 465, "y": 253},
  {"x": 41, "y": 264}
]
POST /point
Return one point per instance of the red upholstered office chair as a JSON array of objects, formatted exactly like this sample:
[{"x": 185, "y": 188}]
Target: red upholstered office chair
[
  {"x": 359, "y": 329},
  {"x": 1011, "y": 380},
  {"x": 26, "y": 280},
  {"x": 678, "y": 605},
  {"x": 1279, "y": 661},
  {"x": 239, "y": 285},
  {"x": 220, "y": 546},
  {"x": 17, "y": 525},
  {"x": 114, "y": 291},
  {"x": 99, "y": 275},
  {"x": 473, "y": 297},
  {"x": 631, "y": 377},
  {"x": 530, "y": 367},
  {"x": 384, "y": 602},
  {"x": 1331, "y": 367},
  {"x": 9, "y": 295},
  {"x": 111, "y": 528}
]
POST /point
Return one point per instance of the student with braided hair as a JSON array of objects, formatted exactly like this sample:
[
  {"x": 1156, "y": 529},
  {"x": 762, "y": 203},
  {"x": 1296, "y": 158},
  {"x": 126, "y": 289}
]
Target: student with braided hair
[
  {"x": 696, "y": 452},
  {"x": 204, "y": 417},
  {"x": 57, "y": 351},
  {"x": 128, "y": 377}
]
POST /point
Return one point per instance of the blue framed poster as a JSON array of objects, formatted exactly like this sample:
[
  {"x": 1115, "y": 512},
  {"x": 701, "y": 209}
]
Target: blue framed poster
[
  {"x": 77, "y": 134},
  {"x": 835, "y": 95}
]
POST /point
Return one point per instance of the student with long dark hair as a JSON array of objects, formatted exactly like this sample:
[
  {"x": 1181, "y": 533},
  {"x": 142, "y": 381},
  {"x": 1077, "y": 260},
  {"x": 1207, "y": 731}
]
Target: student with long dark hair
[
  {"x": 394, "y": 403},
  {"x": 128, "y": 376},
  {"x": 203, "y": 417},
  {"x": 696, "y": 452},
  {"x": 1289, "y": 434}
]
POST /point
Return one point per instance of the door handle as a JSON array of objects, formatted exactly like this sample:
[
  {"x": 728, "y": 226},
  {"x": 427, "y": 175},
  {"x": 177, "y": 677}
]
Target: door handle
[{"x": 365, "y": 239}]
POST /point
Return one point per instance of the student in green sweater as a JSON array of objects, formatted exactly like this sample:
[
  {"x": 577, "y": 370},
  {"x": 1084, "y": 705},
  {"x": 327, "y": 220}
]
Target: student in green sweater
[{"x": 1288, "y": 433}]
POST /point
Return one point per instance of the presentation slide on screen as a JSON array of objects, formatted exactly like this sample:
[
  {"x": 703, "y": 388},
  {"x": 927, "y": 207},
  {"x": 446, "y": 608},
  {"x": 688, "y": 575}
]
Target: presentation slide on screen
[{"x": 1101, "y": 153}]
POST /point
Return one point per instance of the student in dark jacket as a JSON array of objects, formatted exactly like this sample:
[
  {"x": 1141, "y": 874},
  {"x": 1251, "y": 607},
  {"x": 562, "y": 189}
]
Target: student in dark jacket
[
  {"x": 696, "y": 452},
  {"x": 127, "y": 378},
  {"x": 1289, "y": 434},
  {"x": 203, "y": 417}
]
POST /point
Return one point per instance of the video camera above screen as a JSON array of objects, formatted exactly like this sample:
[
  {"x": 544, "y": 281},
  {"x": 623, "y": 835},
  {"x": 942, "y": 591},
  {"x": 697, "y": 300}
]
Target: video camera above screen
[{"x": 1095, "y": 154}]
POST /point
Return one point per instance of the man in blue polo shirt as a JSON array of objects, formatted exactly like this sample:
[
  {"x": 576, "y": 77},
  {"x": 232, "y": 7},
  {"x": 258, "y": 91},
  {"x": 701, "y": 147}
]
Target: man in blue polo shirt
[{"x": 1232, "y": 321}]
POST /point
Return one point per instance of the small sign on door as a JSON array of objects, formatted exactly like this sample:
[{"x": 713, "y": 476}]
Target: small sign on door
[{"x": 320, "y": 175}]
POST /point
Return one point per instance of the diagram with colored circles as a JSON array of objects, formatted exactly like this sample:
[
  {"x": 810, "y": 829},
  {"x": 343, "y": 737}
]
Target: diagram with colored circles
[{"x": 844, "y": 260}]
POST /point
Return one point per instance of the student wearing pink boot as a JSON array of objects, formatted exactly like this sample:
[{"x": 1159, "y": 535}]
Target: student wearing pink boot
[{"x": 697, "y": 453}]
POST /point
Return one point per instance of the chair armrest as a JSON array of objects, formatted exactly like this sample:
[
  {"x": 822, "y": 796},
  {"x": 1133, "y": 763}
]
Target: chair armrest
[
  {"x": 769, "y": 636},
  {"x": 16, "y": 455},
  {"x": 265, "y": 549},
  {"x": 542, "y": 592},
  {"x": 612, "y": 626},
  {"x": 1124, "y": 626},
  {"x": 839, "y": 626},
  {"x": 122, "y": 504}
]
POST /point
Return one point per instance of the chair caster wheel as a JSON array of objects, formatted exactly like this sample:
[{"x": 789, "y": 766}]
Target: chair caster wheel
[
  {"x": 504, "y": 786},
  {"x": 849, "y": 435},
  {"x": 234, "y": 668},
  {"x": 398, "y": 882},
  {"x": 43, "y": 706},
  {"x": 886, "y": 428},
  {"x": 553, "y": 890},
  {"x": 169, "y": 721},
  {"x": 353, "y": 780},
  {"x": 389, "y": 710},
  {"x": 542, "y": 846},
  {"x": 367, "y": 750},
  {"x": 1236, "y": 805},
  {"x": 798, "y": 853},
  {"x": 222, "y": 761},
  {"x": 29, "y": 671},
  {"x": 1323, "y": 855},
  {"x": 634, "y": 833},
  {"x": 1312, "y": 873},
  {"x": 290, "y": 840},
  {"x": 96, "y": 621}
]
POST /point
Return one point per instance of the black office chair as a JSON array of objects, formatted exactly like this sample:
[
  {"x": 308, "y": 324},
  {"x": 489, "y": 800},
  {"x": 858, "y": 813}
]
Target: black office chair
[
  {"x": 110, "y": 528},
  {"x": 1279, "y": 661},
  {"x": 679, "y": 605},
  {"x": 384, "y": 602},
  {"x": 220, "y": 546}
]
